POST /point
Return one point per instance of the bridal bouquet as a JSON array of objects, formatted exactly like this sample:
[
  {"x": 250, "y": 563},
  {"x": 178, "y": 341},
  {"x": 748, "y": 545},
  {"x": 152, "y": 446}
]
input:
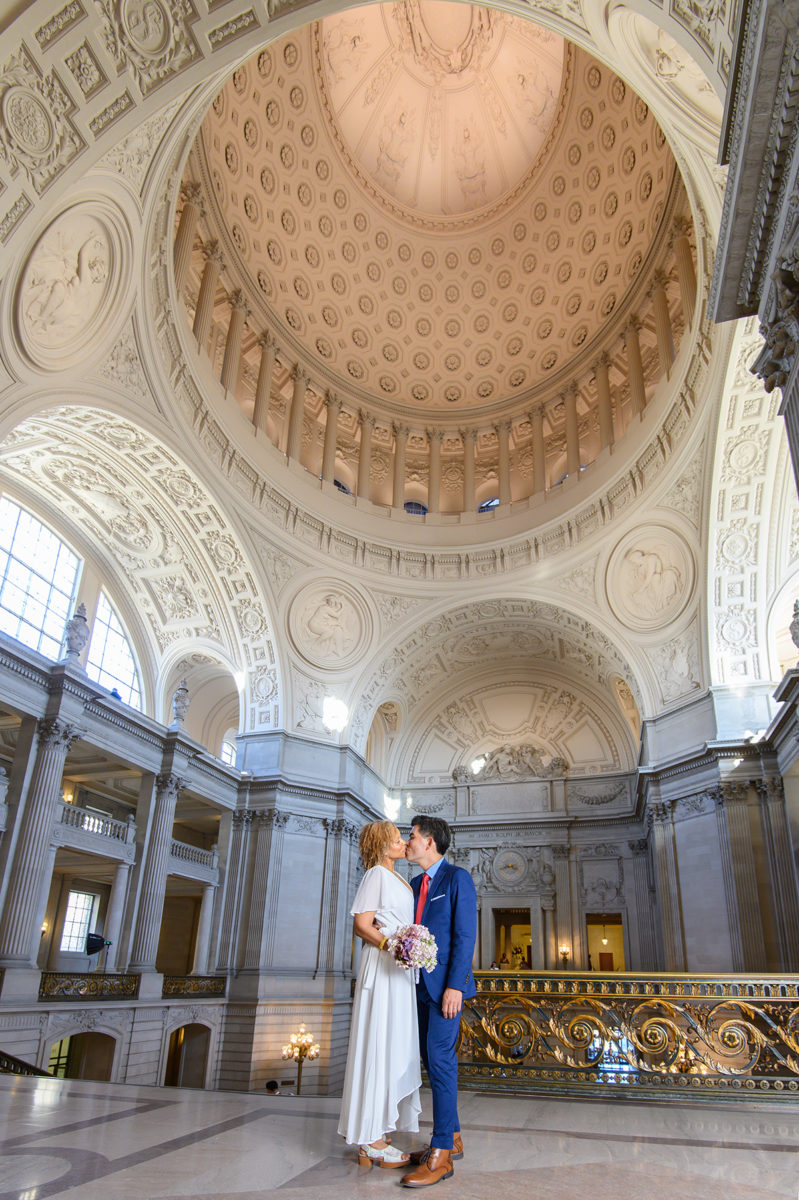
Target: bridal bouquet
[{"x": 413, "y": 947}]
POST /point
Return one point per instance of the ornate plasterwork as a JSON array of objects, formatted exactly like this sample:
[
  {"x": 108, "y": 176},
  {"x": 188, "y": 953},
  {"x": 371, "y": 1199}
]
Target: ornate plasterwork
[
  {"x": 517, "y": 762},
  {"x": 37, "y": 134},
  {"x": 71, "y": 283},
  {"x": 151, "y": 38},
  {"x": 181, "y": 563},
  {"x": 132, "y": 157},
  {"x": 329, "y": 624},
  {"x": 748, "y": 447},
  {"x": 376, "y": 306},
  {"x": 650, "y": 577}
]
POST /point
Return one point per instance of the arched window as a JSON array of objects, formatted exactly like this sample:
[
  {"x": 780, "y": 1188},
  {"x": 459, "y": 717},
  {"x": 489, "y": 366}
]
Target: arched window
[
  {"x": 415, "y": 508},
  {"x": 228, "y": 753},
  {"x": 38, "y": 581},
  {"x": 487, "y": 505},
  {"x": 110, "y": 660}
]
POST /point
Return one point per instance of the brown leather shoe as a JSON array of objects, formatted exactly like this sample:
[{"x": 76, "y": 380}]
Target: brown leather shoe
[
  {"x": 420, "y": 1156},
  {"x": 437, "y": 1166}
]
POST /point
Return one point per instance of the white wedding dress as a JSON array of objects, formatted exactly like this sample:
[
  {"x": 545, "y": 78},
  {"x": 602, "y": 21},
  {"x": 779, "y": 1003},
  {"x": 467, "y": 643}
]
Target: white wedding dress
[{"x": 383, "y": 1076}]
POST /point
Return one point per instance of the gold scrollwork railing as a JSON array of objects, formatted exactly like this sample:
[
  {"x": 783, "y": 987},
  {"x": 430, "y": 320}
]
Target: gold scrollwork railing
[
  {"x": 652, "y": 1034},
  {"x": 56, "y": 985},
  {"x": 198, "y": 986}
]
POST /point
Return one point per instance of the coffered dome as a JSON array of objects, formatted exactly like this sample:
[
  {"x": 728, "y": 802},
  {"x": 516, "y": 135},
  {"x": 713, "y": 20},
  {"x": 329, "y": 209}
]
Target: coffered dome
[{"x": 439, "y": 208}]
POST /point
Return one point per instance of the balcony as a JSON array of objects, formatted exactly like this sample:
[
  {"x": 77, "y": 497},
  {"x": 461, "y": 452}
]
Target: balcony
[
  {"x": 96, "y": 832},
  {"x": 192, "y": 862}
]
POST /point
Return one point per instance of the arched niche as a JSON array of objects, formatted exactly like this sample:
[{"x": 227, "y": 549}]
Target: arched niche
[{"x": 213, "y": 695}]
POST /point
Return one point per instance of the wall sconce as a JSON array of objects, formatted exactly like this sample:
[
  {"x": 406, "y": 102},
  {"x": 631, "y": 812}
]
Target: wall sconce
[
  {"x": 604, "y": 935},
  {"x": 44, "y": 928},
  {"x": 564, "y": 955},
  {"x": 299, "y": 1047}
]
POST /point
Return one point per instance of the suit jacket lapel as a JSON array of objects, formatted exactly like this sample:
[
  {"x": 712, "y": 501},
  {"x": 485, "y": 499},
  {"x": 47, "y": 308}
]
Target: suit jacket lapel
[{"x": 436, "y": 885}]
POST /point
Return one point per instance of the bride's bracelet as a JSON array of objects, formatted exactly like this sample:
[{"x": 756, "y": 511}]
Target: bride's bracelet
[{"x": 382, "y": 945}]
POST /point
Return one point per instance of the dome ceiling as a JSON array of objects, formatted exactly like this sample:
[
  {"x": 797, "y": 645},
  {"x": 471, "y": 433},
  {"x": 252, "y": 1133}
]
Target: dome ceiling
[
  {"x": 444, "y": 107},
  {"x": 438, "y": 208}
]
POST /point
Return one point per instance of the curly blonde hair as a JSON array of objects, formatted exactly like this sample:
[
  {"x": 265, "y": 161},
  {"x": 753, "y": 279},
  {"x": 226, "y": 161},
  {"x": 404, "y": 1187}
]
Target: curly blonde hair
[{"x": 374, "y": 841}]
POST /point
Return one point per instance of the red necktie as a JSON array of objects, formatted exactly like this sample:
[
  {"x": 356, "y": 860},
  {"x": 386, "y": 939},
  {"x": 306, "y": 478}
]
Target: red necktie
[{"x": 420, "y": 903}]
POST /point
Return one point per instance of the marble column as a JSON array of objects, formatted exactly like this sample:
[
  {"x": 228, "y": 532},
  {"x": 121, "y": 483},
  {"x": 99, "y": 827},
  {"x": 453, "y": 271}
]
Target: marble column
[
  {"x": 739, "y": 868},
  {"x": 502, "y": 431},
  {"x": 112, "y": 925},
  {"x": 660, "y": 309},
  {"x": 260, "y": 915},
  {"x": 684, "y": 260},
  {"x": 563, "y": 902},
  {"x": 204, "y": 312},
  {"x": 239, "y": 313},
  {"x": 333, "y": 406},
  {"x": 232, "y": 926},
  {"x": 604, "y": 403},
  {"x": 782, "y": 871},
  {"x": 331, "y": 924},
  {"x": 400, "y": 445},
  {"x": 297, "y": 414},
  {"x": 572, "y": 431},
  {"x": 642, "y": 889},
  {"x": 635, "y": 366},
  {"x": 469, "y": 437},
  {"x": 367, "y": 424},
  {"x": 202, "y": 940},
  {"x": 263, "y": 388},
  {"x": 154, "y": 875},
  {"x": 20, "y": 928},
  {"x": 539, "y": 450},
  {"x": 551, "y": 962},
  {"x": 434, "y": 438},
  {"x": 668, "y": 892},
  {"x": 187, "y": 230}
]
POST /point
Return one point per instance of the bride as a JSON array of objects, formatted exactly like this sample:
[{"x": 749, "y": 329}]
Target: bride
[{"x": 382, "y": 1079}]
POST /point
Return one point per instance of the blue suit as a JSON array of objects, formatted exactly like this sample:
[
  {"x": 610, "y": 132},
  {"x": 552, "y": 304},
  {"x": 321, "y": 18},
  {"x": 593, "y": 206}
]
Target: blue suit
[{"x": 450, "y": 913}]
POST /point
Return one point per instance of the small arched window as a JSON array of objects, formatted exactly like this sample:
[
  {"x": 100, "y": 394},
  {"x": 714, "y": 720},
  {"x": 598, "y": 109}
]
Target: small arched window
[
  {"x": 487, "y": 505},
  {"x": 342, "y": 487},
  {"x": 415, "y": 508}
]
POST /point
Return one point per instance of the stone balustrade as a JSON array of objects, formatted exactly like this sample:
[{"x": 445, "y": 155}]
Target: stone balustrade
[
  {"x": 90, "y": 821},
  {"x": 183, "y": 852}
]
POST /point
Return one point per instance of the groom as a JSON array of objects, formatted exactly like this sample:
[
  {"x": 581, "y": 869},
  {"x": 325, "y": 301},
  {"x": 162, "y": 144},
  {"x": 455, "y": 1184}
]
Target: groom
[{"x": 446, "y": 902}]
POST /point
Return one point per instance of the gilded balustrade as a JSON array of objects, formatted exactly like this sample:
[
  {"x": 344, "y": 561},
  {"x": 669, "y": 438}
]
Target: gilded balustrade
[
  {"x": 652, "y": 1034},
  {"x": 63, "y": 985}
]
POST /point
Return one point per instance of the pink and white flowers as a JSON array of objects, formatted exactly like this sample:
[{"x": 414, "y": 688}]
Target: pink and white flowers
[{"x": 413, "y": 947}]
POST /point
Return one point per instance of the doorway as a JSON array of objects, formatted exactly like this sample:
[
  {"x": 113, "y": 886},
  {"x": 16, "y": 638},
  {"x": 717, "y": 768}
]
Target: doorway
[
  {"x": 187, "y": 1057},
  {"x": 605, "y": 941},
  {"x": 83, "y": 1056},
  {"x": 512, "y": 940}
]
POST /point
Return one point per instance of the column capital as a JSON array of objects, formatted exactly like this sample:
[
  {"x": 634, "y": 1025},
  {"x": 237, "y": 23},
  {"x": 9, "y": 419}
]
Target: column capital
[
  {"x": 212, "y": 253},
  {"x": 266, "y": 340},
  {"x": 192, "y": 193},
  {"x": 561, "y": 852},
  {"x": 399, "y": 430},
  {"x": 639, "y": 846},
  {"x": 634, "y": 324},
  {"x": 435, "y": 435},
  {"x": 366, "y": 418},
  {"x": 503, "y": 426},
  {"x": 536, "y": 412},
  {"x": 660, "y": 812},
  {"x": 333, "y": 401},
  {"x": 168, "y": 784},
  {"x": 468, "y": 434},
  {"x": 300, "y": 375},
  {"x": 660, "y": 281},
  {"x": 681, "y": 227},
  {"x": 58, "y": 734},
  {"x": 238, "y": 302},
  {"x": 603, "y": 360}
]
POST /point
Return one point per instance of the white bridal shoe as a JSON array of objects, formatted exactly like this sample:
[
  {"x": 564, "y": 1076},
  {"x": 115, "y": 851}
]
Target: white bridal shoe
[{"x": 386, "y": 1156}]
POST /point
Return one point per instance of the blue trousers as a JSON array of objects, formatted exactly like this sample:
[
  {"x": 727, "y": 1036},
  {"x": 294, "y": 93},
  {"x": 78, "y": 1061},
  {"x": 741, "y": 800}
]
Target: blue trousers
[{"x": 438, "y": 1036}]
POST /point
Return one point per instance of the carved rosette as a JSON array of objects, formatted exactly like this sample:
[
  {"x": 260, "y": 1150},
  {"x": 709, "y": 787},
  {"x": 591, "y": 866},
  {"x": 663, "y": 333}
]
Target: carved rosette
[
  {"x": 36, "y": 134},
  {"x": 152, "y": 38}
]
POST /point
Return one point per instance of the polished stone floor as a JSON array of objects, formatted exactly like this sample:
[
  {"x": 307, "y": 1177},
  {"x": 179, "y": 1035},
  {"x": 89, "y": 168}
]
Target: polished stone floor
[{"x": 97, "y": 1141}]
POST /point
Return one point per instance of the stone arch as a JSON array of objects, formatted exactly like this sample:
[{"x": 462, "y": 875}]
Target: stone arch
[
  {"x": 178, "y": 562},
  {"x": 415, "y": 667}
]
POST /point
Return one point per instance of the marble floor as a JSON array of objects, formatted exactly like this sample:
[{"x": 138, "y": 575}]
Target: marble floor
[{"x": 100, "y": 1141}]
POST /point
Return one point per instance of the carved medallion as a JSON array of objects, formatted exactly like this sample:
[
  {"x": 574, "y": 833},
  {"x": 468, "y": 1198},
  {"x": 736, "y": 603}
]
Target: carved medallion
[
  {"x": 650, "y": 577},
  {"x": 509, "y": 868},
  {"x": 69, "y": 284},
  {"x": 329, "y": 624}
]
